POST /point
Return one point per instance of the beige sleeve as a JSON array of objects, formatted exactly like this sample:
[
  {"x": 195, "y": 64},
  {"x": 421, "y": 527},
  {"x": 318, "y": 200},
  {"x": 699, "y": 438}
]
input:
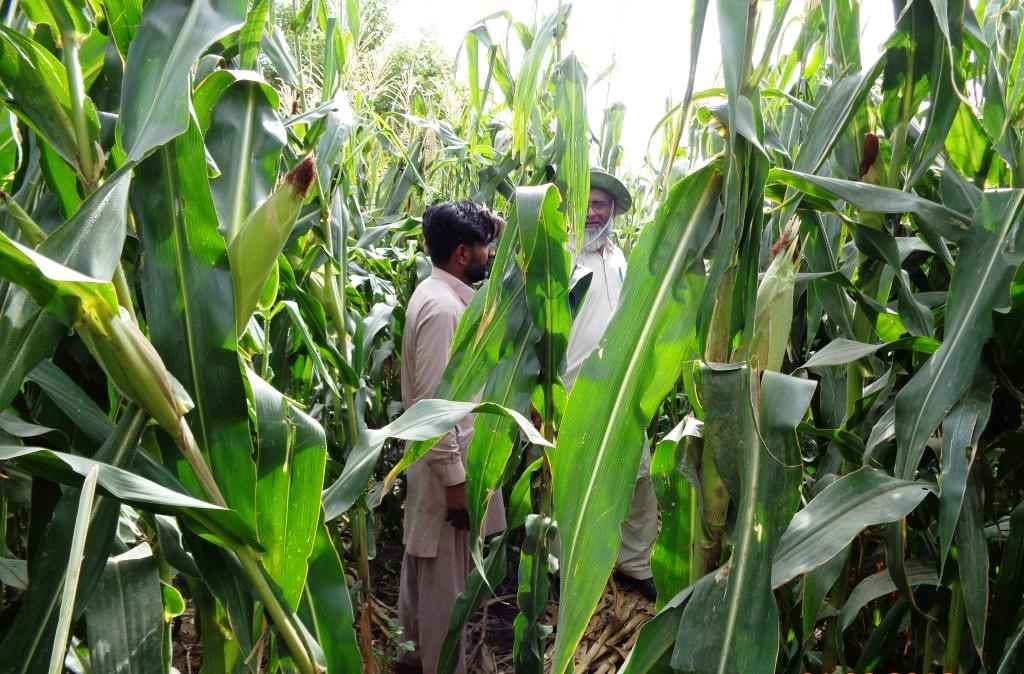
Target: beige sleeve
[{"x": 433, "y": 345}]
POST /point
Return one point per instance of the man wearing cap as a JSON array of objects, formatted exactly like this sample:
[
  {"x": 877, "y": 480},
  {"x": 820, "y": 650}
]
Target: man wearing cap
[{"x": 609, "y": 198}]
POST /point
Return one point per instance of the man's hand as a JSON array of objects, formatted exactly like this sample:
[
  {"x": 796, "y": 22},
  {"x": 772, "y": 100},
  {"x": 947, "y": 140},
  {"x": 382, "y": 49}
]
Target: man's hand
[{"x": 458, "y": 507}]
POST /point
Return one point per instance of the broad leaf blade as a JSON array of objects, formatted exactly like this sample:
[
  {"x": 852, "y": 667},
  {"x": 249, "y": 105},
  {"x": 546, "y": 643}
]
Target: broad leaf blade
[
  {"x": 426, "y": 421},
  {"x": 26, "y": 644},
  {"x": 621, "y": 383},
  {"x": 832, "y": 518},
  {"x": 154, "y": 94},
  {"x": 73, "y": 570},
  {"x": 38, "y": 83},
  {"x": 189, "y": 300},
  {"x": 244, "y": 136},
  {"x": 90, "y": 243},
  {"x": 291, "y": 457},
  {"x": 131, "y": 489},
  {"x": 989, "y": 257},
  {"x": 327, "y": 605},
  {"x": 126, "y": 619}
]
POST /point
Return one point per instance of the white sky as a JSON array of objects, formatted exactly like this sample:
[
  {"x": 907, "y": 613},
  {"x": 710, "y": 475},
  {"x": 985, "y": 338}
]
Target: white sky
[{"x": 649, "y": 40}]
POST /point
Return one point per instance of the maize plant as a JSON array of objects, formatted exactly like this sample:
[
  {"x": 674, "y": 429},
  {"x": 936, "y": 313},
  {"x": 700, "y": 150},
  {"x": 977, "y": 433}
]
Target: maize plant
[{"x": 208, "y": 234}]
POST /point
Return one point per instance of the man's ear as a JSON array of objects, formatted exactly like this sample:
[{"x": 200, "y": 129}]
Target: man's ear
[{"x": 461, "y": 254}]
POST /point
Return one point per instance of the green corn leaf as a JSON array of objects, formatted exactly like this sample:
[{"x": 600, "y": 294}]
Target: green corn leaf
[
  {"x": 841, "y": 351},
  {"x": 944, "y": 99},
  {"x": 1009, "y": 592},
  {"x": 38, "y": 83},
  {"x": 919, "y": 572},
  {"x": 73, "y": 570},
  {"x": 674, "y": 458},
  {"x": 831, "y": 118},
  {"x": 327, "y": 605},
  {"x": 60, "y": 179},
  {"x": 126, "y": 618},
  {"x": 821, "y": 530},
  {"x": 487, "y": 574},
  {"x": 251, "y": 35},
  {"x": 815, "y": 586},
  {"x": 650, "y": 333},
  {"x": 510, "y": 384},
  {"x": 485, "y": 577},
  {"x": 154, "y": 94},
  {"x": 229, "y": 626},
  {"x": 529, "y": 80},
  {"x": 337, "y": 125},
  {"x": 59, "y": 290},
  {"x": 63, "y": 15},
  {"x": 880, "y": 245},
  {"x": 428, "y": 420},
  {"x": 222, "y": 525},
  {"x": 882, "y": 639},
  {"x": 275, "y": 47},
  {"x": 71, "y": 400},
  {"x": 189, "y": 300},
  {"x": 943, "y": 220},
  {"x": 972, "y": 561},
  {"x": 530, "y": 633},
  {"x": 960, "y": 432},
  {"x": 990, "y": 255},
  {"x": 652, "y": 652},
  {"x": 570, "y": 82},
  {"x": 90, "y": 243},
  {"x": 29, "y": 639},
  {"x": 313, "y": 349},
  {"x": 1013, "y": 658},
  {"x": 238, "y": 115},
  {"x": 291, "y": 457},
  {"x": 124, "y": 17},
  {"x": 545, "y": 262}
]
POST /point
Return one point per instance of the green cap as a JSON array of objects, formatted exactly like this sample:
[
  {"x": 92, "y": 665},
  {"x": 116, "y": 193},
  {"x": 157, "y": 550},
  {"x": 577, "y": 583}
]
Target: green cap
[{"x": 602, "y": 180}]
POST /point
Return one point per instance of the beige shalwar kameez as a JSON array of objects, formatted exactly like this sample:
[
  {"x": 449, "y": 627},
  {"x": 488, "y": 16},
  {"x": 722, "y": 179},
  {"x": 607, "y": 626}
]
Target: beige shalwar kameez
[
  {"x": 640, "y": 529},
  {"x": 436, "y": 560}
]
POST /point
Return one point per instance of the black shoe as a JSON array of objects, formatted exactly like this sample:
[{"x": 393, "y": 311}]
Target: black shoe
[{"x": 645, "y": 586}]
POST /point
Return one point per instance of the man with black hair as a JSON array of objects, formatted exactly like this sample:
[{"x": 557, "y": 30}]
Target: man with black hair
[{"x": 460, "y": 238}]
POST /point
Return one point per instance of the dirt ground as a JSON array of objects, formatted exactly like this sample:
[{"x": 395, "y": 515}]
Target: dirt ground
[{"x": 489, "y": 636}]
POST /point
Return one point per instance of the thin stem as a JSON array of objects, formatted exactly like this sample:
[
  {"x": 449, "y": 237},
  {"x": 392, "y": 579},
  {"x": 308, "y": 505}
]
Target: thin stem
[
  {"x": 716, "y": 506},
  {"x": 900, "y": 140},
  {"x": 189, "y": 448},
  {"x": 33, "y": 233},
  {"x": 124, "y": 295},
  {"x": 87, "y": 162},
  {"x": 298, "y": 57},
  {"x": 931, "y": 639},
  {"x": 281, "y": 619},
  {"x": 357, "y": 522},
  {"x": 956, "y": 628}
]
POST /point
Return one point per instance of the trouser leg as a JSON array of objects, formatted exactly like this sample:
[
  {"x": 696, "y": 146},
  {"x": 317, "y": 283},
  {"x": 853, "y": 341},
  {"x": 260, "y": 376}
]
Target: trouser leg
[
  {"x": 639, "y": 531},
  {"x": 425, "y": 607}
]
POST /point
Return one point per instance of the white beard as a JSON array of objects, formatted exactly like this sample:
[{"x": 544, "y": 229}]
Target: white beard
[{"x": 594, "y": 239}]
